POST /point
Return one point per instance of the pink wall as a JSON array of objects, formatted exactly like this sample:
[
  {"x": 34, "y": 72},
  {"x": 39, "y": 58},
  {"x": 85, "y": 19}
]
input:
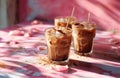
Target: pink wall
[{"x": 105, "y": 13}]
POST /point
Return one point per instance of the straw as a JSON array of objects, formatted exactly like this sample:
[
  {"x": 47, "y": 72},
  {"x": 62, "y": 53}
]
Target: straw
[
  {"x": 70, "y": 17},
  {"x": 72, "y": 12},
  {"x": 89, "y": 17}
]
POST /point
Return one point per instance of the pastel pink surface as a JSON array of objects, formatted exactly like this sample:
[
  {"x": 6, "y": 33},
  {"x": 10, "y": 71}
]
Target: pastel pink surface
[
  {"x": 21, "y": 60},
  {"x": 104, "y": 13}
]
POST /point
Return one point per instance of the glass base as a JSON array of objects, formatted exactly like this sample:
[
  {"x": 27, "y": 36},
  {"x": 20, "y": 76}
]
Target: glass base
[
  {"x": 60, "y": 62},
  {"x": 84, "y": 53}
]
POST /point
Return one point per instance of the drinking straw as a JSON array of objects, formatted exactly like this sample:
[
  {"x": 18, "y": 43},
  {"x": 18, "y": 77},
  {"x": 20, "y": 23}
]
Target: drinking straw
[
  {"x": 70, "y": 17},
  {"x": 72, "y": 12},
  {"x": 89, "y": 17}
]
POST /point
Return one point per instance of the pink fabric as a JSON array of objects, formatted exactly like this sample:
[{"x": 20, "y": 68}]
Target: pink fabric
[
  {"x": 104, "y": 13},
  {"x": 20, "y": 55}
]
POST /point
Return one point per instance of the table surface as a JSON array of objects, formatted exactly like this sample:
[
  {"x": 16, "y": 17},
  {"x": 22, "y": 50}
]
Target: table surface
[{"x": 21, "y": 55}]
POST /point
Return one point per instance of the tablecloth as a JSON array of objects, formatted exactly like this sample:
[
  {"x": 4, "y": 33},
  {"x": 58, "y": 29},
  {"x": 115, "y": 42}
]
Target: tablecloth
[{"x": 23, "y": 46}]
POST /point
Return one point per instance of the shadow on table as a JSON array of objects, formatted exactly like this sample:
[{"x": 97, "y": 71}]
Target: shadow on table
[
  {"x": 4, "y": 76},
  {"x": 102, "y": 69},
  {"x": 105, "y": 56},
  {"x": 25, "y": 69}
]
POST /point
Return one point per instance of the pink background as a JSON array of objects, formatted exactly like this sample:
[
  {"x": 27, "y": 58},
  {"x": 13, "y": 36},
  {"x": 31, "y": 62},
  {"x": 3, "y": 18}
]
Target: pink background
[{"x": 105, "y": 13}]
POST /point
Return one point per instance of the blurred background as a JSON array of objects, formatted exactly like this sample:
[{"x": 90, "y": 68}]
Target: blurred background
[{"x": 105, "y": 13}]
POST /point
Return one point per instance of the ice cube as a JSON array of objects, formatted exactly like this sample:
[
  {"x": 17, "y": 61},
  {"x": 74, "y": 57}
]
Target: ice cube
[
  {"x": 61, "y": 20},
  {"x": 59, "y": 34},
  {"x": 53, "y": 40}
]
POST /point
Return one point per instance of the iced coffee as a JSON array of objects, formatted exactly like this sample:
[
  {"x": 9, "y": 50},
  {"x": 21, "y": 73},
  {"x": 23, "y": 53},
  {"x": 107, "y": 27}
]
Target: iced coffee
[
  {"x": 62, "y": 22},
  {"x": 58, "y": 44},
  {"x": 83, "y": 35}
]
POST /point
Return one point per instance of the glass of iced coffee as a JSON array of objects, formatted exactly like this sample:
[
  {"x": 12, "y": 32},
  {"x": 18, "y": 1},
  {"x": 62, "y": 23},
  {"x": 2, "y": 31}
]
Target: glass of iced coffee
[
  {"x": 83, "y": 35},
  {"x": 61, "y": 22},
  {"x": 58, "y": 45}
]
